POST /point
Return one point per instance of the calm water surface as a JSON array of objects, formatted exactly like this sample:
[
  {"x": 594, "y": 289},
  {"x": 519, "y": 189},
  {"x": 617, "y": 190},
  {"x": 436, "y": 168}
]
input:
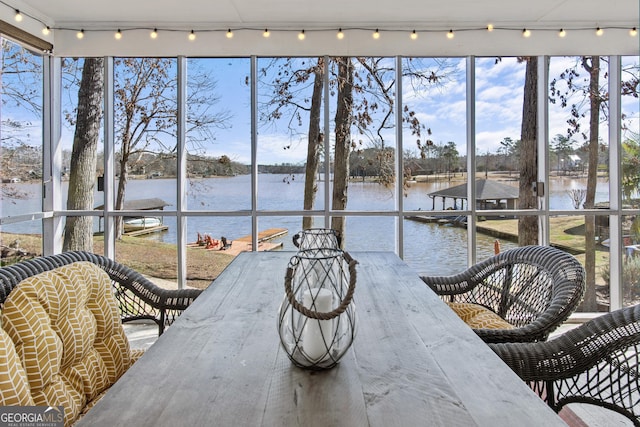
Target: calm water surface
[{"x": 430, "y": 248}]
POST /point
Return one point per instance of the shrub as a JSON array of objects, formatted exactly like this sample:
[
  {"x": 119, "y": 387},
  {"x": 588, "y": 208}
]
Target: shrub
[{"x": 630, "y": 276}]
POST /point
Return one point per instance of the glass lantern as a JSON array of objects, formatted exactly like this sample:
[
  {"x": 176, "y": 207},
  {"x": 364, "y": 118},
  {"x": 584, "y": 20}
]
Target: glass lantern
[
  {"x": 317, "y": 318},
  {"x": 317, "y": 238}
]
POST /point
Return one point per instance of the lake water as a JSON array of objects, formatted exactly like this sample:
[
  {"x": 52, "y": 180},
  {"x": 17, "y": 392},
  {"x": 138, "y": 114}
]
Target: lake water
[{"x": 430, "y": 248}]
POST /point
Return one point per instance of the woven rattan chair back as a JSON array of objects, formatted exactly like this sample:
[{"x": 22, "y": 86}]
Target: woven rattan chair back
[
  {"x": 534, "y": 288},
  {"x": 597, "y": 363},
  {"x": 137, "y": 297}
]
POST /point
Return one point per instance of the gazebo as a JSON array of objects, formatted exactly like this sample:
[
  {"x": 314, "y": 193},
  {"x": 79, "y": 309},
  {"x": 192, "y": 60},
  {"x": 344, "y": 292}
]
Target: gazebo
[{"x": 489, "y": 195}]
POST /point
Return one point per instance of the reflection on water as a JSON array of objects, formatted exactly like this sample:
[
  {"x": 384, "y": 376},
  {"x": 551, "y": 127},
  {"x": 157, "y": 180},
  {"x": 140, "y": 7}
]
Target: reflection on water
[{"x": 430, "y": 248}]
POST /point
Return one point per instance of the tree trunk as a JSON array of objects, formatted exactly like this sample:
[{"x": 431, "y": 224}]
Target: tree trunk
[
  {"x": 528, "y": 225},
  {"x": 343, "y": 142},
  {"x": 78, "y": 233},
  {"x": 590, "y": 303},
  {"x": 122, "y": 185},
  {"x": 313, "y": 146}
]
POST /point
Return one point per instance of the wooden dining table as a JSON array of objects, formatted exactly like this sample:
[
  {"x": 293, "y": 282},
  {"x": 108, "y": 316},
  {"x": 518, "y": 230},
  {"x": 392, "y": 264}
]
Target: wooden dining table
[{"x": 413, "y": 362}]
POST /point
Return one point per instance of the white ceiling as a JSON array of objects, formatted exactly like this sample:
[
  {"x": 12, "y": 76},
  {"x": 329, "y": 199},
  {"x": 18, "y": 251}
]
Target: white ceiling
[
  {"x": 579, "y": 17},
  {"x": 296, "y": 13}
]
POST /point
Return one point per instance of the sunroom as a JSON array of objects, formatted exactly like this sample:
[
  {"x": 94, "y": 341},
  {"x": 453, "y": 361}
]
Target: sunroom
[
  {"x": 223, "y": 138},
  {"x": 220, "y": 131},
  {"x": 237, "y": 124}
]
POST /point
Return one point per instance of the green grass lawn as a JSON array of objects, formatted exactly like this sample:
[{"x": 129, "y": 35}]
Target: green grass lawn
[{"x": 566, "y": 232}]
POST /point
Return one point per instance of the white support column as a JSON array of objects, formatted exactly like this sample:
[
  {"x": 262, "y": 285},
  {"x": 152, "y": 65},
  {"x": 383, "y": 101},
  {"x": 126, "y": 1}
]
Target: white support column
[
  {"x": 399, "y": 164},
  {"x": 181, "y": 184},
  {"x": 326, "y": 173},
  {"x": 543, "y": 151},
  {"x": 52, "y": 225},
  {"x": 616, "y": 248},
  {"x": 471, "y": 159},
  {"x": 109, "y": 161},
  {"x": 254, "y": 153}
]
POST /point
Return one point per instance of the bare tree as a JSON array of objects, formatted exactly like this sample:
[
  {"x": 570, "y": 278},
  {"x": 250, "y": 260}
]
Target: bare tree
[
  {"x": 592, "y": 66},
  {"x": 343, "y": 121},
  {"x": 372, "y": 94},
  {"x": 79, "y": 229},
  {"x": 577, "y": 197},
  {"x": 315, "y": 139},
  {"x": 21, "y": 83},
  {"x": 528, "y": 224},
  {"x": 289, "y": 82},
  {"x": 591, "y": 96},
  {"x": 146, "y": 113}
]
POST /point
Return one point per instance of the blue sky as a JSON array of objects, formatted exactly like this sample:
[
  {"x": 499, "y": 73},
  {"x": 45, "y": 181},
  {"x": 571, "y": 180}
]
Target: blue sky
[{"x": 442, "y": 108}]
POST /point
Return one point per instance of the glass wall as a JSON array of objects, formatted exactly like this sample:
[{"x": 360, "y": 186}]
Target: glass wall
[
  {"x": 82, "y": 147},
  {"x": 236, "y": 154},
  {"x": 434, "y": 122},
  {"x": 629, "y": 182},
  {"x": 21, "y": 152}
]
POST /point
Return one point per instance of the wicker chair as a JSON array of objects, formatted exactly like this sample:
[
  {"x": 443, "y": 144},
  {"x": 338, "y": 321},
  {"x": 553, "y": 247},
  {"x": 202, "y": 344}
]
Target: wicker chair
[
  {"x": 138, "y": 298},
  {"x": 533, "y": 288},
  {"x": 596, "y": 363}
]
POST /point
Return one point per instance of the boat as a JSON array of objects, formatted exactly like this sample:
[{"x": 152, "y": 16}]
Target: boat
[{"x": 141, "y": 223}]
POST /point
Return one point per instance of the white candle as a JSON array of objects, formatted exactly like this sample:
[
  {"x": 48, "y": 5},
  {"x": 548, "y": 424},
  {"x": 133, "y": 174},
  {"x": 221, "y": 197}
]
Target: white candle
[{"x": 316, "y": 332}]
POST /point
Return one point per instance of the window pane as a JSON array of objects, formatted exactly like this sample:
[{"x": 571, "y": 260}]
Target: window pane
[
  {"x": 571, "y": 130},
  {"x": 630, "y": 154},
  {"x": 434, "y": 246},
  {"x": 630, "y": 245},
  {"x": 20, "y": 241},
  {"x": 434, "y": 116},
  {"x": 206, "y": 254},
  {"x": 21, "y": 154},
  {"x": 568, "y": 233},
  {"x": 366, "y": 233},
  {"x": 86, "y": 193},
  {"x": 289, "y": 90},
  {"x": 145, "y": 115},
  {"x": 156, "y": 260},
  {"x": 21, "y": 128},
  {"x": 495, "y": 234},
  {"x": 500, "y": 91},
  {"x": 219, "y": 134},
  {"x": 373, "y": 146}
]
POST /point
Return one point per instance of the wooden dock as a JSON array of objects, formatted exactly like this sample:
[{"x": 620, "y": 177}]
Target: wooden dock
[
  {"x": 244, "y": 244},
  {"x": 148, "y": 230},
  {"x": 266, "y": 235}
]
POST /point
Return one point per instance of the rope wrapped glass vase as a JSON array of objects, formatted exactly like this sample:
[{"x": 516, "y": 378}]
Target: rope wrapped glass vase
[{"x": 317, "y": 319}]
